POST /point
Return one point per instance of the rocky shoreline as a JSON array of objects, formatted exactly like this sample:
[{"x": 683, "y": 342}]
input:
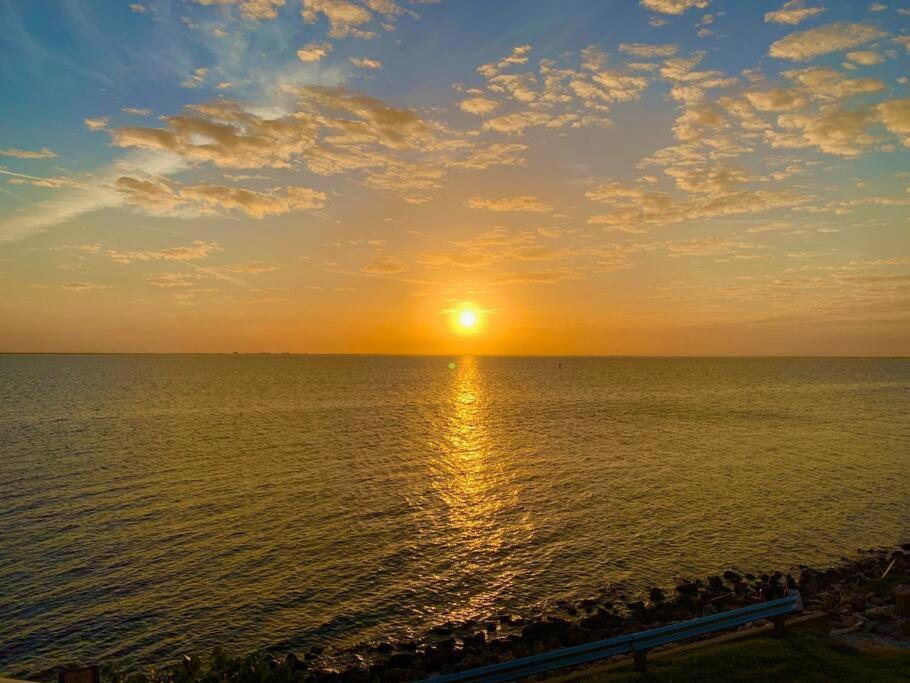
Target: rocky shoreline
[
  {"x": 843, "y": 591},
  {"x": 857, "y": 594}
]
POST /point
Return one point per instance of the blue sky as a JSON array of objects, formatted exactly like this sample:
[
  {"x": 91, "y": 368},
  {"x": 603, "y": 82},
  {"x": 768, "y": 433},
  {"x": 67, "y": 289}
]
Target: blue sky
[{"x": 346, "y": 175}]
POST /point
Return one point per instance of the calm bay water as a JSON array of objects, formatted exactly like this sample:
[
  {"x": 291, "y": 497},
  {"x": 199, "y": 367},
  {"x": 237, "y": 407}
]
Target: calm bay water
[{"x": 153, "y": 505}]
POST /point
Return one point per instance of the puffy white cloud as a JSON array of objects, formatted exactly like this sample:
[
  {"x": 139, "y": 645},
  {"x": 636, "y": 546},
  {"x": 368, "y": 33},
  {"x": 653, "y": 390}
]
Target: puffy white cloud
[
  {"x": 313, "y": 52},
  {"x": 366, "y": 63},
  {"x": 895, "y": 115},
  {"x": 831, "y": 129},
  {"x": 479, "y": 106},
  {"x": 99, "y": 123},
  {"x": 806, "y": 45},
  {"x": 793, "y": 13},
  {"x": 250, "y": 9},
  {"x": 346, "y": 17},
  {"x": 865, "y": 57},
  {"x": 673, "y": 6},
  {"x": 776, "y": 99},
  {"x": 830, "y": 84}
]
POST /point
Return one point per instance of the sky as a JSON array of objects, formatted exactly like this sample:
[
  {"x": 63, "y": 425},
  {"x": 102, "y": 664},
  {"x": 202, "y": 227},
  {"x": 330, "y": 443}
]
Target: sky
[{"x": 653, "y": 177}]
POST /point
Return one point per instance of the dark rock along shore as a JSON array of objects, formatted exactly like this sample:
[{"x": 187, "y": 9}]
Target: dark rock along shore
[
  {"x": 838, "y": 590},
  {"x": 851, "y": 593}
]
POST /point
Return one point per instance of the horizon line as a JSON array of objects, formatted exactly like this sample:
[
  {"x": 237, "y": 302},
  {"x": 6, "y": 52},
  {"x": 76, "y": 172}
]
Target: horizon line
[{"x": 441, "y": 355}]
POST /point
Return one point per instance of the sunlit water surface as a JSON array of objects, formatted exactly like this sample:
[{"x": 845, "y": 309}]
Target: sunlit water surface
[{"x": 153, "y": 505}]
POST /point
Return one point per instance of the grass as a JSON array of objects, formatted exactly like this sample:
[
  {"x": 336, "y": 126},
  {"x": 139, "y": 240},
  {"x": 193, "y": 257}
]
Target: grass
[{"x": 798, "y": 657}]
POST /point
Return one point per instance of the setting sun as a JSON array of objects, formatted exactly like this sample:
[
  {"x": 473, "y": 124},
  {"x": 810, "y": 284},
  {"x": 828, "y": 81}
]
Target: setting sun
[{"x": 467, "y": 319}]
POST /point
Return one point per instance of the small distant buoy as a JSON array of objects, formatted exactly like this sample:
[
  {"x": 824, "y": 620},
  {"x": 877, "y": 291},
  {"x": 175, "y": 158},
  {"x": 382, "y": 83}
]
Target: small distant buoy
[{"x": 451, "y": 365}]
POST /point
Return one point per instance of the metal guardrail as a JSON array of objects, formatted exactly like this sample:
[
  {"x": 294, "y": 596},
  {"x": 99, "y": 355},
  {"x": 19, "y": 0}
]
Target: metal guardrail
[{"x": 637, "y": 643}]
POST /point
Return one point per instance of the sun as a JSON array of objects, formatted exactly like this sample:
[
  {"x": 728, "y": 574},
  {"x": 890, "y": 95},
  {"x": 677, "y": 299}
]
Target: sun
[{"x": 467, "y": 319}]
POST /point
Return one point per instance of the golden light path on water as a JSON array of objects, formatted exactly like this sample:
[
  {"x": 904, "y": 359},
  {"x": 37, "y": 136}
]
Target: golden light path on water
[{"x": 475, "y": 489}]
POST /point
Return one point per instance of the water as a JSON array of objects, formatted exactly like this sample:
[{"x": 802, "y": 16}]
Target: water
[{"x": 153, "y": 505}]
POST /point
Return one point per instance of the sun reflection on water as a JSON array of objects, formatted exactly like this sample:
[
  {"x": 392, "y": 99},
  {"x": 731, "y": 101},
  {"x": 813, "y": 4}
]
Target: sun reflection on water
[{"x": 478, "y": 492}]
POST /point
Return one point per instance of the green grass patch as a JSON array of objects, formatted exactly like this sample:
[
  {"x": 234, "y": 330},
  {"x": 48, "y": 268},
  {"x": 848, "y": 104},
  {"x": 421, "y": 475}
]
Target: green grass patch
[{"x": 798, "y": 657}]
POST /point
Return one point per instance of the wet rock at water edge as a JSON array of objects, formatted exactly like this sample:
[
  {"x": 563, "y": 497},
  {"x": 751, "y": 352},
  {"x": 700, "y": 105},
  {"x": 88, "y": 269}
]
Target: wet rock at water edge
[
  {"x": 656, "y": 594},
  {"x": 732, "y": 576},
  {"x": 687, "y": 588},
  {"x": 878, "y": 613}
]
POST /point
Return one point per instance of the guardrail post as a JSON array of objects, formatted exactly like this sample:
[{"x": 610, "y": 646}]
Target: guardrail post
[
  {"x": 780, "y": 623},
  {"x": 641, "y": 660}
]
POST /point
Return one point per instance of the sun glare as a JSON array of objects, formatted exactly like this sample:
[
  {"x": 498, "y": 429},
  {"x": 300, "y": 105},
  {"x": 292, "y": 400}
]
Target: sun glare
[{"x": 467, "y": 319}]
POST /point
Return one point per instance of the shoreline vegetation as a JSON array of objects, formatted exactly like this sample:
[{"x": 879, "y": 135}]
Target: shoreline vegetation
[{"x": 858, "y": 596}]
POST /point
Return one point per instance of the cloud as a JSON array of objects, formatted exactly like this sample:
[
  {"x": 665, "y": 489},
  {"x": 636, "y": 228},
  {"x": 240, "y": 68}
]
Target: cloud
[
  {"x": 195, "y": 251},
  {"x": 522, "y": 203},
  {"x": 161, "y": 196},
  {"x": 43, "y": 153},
  {"x": 82, "y": 286},
  {"x": 49, "y": 182},
  {"x": 71, "y": 203},
  {"x": 543, "y": 277},
  {"x": 195, "y": 79},
  {"x": 99, "y": 123},
  {"x": 832, "y": 129},
  {"x": 366, "y": 63},
  {"x": 136, "y": 112},
  {"x": 171, "y": 280},
  {"x": 496, "y": 154},
  {"x": 327, "y": 122},
  {"x": 895, "y": 116},
  {"x": 709, "y": 246},
  {"x": 385, "y": 265},
  {"x": 519, "y": 55},
  {"x": 830, "y": 84},
  {"x": 865, "y": 57},
  {"x": 515, "y": 124},
  {"x": 346, "y": 17},
  {"x": 313, "y": 52},
  {"x": 250, "y": 9},
  {"x": 645, "y": 50},
  {"x": 777, "y": 99},
  {"x": 806, "y": 45},
  {"x": 792, "y": 13},
  {"x": 632, "y": 207},
  {"x": 247, "y": 268},
  {"x": 673, "y": 6},
  {"x": 479, "y": 106}
]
